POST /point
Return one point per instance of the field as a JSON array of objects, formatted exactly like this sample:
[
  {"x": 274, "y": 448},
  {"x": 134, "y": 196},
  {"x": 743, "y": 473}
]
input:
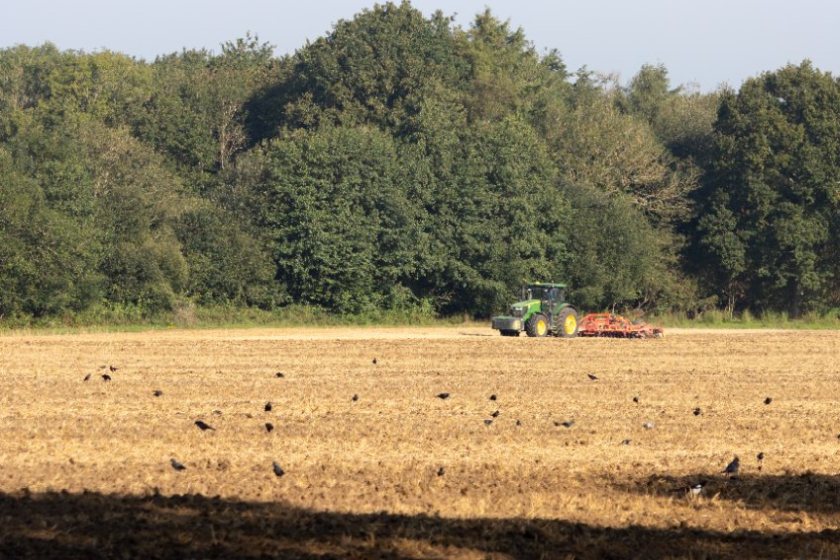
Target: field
[{"x": 401, "y": 473}]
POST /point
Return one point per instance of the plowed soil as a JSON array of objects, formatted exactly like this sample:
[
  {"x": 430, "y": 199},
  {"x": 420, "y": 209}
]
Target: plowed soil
[{"x": 526, "y": 458}]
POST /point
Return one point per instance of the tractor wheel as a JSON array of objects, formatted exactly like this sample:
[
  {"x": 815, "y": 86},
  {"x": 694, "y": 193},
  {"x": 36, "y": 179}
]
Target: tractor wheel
[
  {"x": 567, "y": 323},
  {"x": 537, "y": 325},
  {"x": 510, "y": 333}
]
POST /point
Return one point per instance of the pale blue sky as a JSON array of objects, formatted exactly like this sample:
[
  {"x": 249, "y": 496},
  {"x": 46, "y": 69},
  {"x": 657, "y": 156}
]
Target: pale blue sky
[{"x": 709, "y": 42}]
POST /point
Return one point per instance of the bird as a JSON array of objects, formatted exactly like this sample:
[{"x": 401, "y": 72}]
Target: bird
[
  {"x": 768, "y": 400},
  {"x": 106, "y": 377},
  {"x": 635, "y": 399},
  {"x": 760, "y": 456},
  {"x": 732, "y": 468},
  {"x": 697, "y": 411},
  {"x": 87, "y": 377},
  {"x": 267, "y": 407},
  {"x": 441, "y": 471},
  {"x": 495, "y": 414},
  {"x": 487, "y": 422},
  {"x": 279, "y": 374},
  {"x": 374, "y": 361},
  {"x": 278, "y": 470},
  {"x": 648, "y": 425},
  {"x": 443, "y": 396},
  {"x": 493, "y": 397},
  {"x": 568, "y": 423},
  {"x": 625, "y": 442},
  {"x": 112, "y": 368},
  {"x": 518, "y": 422},
  {"x": 696, "y": 489},
  {"x": 176, "y": 465},
  {"x": 157, "y": 392},
  {"x": 203, "y": 426},
  {"x": 268, "y": 427},
  {"x": 354, "y": 398},
  {"x": 592, "y": 376}
]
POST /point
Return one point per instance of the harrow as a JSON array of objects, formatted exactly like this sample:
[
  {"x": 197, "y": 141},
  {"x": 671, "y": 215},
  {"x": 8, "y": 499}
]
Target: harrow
[{"x": 616, "y": 326}]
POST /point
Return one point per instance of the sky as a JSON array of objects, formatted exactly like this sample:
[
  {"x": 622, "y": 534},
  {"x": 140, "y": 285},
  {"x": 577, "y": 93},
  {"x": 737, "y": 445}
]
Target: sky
[{"x": 708, "y": 43}]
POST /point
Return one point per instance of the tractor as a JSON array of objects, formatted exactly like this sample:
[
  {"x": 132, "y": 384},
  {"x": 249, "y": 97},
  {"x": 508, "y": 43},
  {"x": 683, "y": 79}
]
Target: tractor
[{"x": 542, "y": 311}]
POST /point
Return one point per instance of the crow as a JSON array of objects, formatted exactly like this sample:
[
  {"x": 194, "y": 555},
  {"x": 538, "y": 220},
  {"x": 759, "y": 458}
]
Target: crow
[
  {"x": 760, "y": 456},
  {"x": 374, "y": 361},
  {"x": 697, "y": 411},
  {"x": 106, "y": 377},
  {"x": 354, "y": 398},
  {"x": 768, "y": 400},
  {"x": 268, "y": 427},
  {"x": 87, "y": 377},
  {"x": 112, "y": 368},
  {"x": 441, "y": 471},
  {"x": 204, "y": 427},
  {"x": 518, "y": 422},
  {"x": 493, "y": 397},
  {"x": 176, "y": 465},
  {"x": 487, "y": 422},
  {"x": 157, "y": 392},
  {"x": 732, "y": 468},
  {"x": 568, "y": 423},
  {"x": 625, "y": 442},
  {"x": 635, "y": 399},
  {"x": 268, "y": 407},
  {"x": 443, "y": 396},
  {"x": 278, "y": 470},
  {"x": 279, "y": 374},
  {"x": 495, "y": 414},
  {"x": 592, "y": 377}
]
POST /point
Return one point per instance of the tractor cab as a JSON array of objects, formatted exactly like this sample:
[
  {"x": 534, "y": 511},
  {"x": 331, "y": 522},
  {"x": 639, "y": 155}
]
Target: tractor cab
[{"x": 541, "y": 311}]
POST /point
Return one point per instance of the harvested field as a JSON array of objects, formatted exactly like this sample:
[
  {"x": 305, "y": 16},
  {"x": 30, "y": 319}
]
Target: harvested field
[{"x": 401, "y": 473}]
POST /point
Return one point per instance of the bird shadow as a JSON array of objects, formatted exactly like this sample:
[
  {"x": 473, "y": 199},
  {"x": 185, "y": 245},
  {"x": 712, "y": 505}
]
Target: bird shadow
[
  {"x": 92, "y": 525},
  {"x": 804, "y": 492}
]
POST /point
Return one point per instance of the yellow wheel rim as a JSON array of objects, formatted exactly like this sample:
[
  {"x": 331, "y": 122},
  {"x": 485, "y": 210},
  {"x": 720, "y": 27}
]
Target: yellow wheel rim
[
  {"x": 570, "y": 324},
  {"x": 542, "y": 327}
]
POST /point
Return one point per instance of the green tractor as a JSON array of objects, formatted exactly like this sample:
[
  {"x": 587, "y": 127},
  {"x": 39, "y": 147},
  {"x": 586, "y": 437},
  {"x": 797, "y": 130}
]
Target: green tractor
[{"x": 543, "y": 311}]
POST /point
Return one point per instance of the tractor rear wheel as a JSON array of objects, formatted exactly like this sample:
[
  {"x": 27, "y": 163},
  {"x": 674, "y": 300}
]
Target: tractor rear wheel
[
  {"x": 567, "y": 324},
  {"x": 537, "y": 325}
]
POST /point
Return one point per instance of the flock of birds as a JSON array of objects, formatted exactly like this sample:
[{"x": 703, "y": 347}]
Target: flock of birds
[{"x": 731, "y": 469}]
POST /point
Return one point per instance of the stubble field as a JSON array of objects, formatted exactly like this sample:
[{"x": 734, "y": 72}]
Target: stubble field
[{"x": 400, "y": 473}]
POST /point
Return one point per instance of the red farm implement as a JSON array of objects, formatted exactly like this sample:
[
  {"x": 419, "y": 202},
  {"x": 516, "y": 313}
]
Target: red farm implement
[{"x": 616, "y": 326}]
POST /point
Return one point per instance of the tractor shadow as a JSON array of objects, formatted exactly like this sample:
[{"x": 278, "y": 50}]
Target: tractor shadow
[
  {"x": 91, "y": 525},
  {"x": 806, "y": 492}
]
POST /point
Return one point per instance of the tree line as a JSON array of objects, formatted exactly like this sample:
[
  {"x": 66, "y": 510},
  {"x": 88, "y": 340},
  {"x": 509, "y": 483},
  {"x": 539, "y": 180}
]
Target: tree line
[{"x": 403, "y": 162}]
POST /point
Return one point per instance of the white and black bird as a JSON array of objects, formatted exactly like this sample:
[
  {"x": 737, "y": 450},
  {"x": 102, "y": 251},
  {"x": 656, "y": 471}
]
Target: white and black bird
[
  {"x": 648, "y": 425},
  {"x": 696, "y": 489},
  {"x": 733, "y": 466},
  {"x": 177, "y": 465}
]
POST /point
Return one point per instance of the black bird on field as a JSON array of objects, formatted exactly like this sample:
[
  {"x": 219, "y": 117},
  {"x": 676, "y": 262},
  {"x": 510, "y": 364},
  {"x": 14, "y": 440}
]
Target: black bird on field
[
  {"x": 268, "y": 407},
  {"x": 112, "y": 368},
  {"x": 626, "y": 442},
  {"x": 592, "y": 376},
  {"x": 87, "y": 377},
  {"x": 732, "y": 468},
  {"x": 106, "y": 377},
  {"x": 278, "y": 470},
  {"x": 279, "y": 374},
  {"x": 203, "y": 426},
  {"x": 495, "y": 414},
  {"x": 157, "y": 392},
  {"x": 568, "y": 423},
  {"x": 635, "y": 399},
  {"x": 441, "y": 471},
  {"x": 268, "y": 427},
  {"x": 487, "y": 422},
  {"x": 518, "y": 422},
  {"x": 443, "y": 396},
  {"x": 493, "y": 397},
  {"x": 374, "y": 361},
  {"x": 176, "y": 465},
  {"x": 354, "y": 398},
  {"x": 760, "y": 456},
  {"x": 697, "y": 411},
  {"x": 768, "y": 400}
]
